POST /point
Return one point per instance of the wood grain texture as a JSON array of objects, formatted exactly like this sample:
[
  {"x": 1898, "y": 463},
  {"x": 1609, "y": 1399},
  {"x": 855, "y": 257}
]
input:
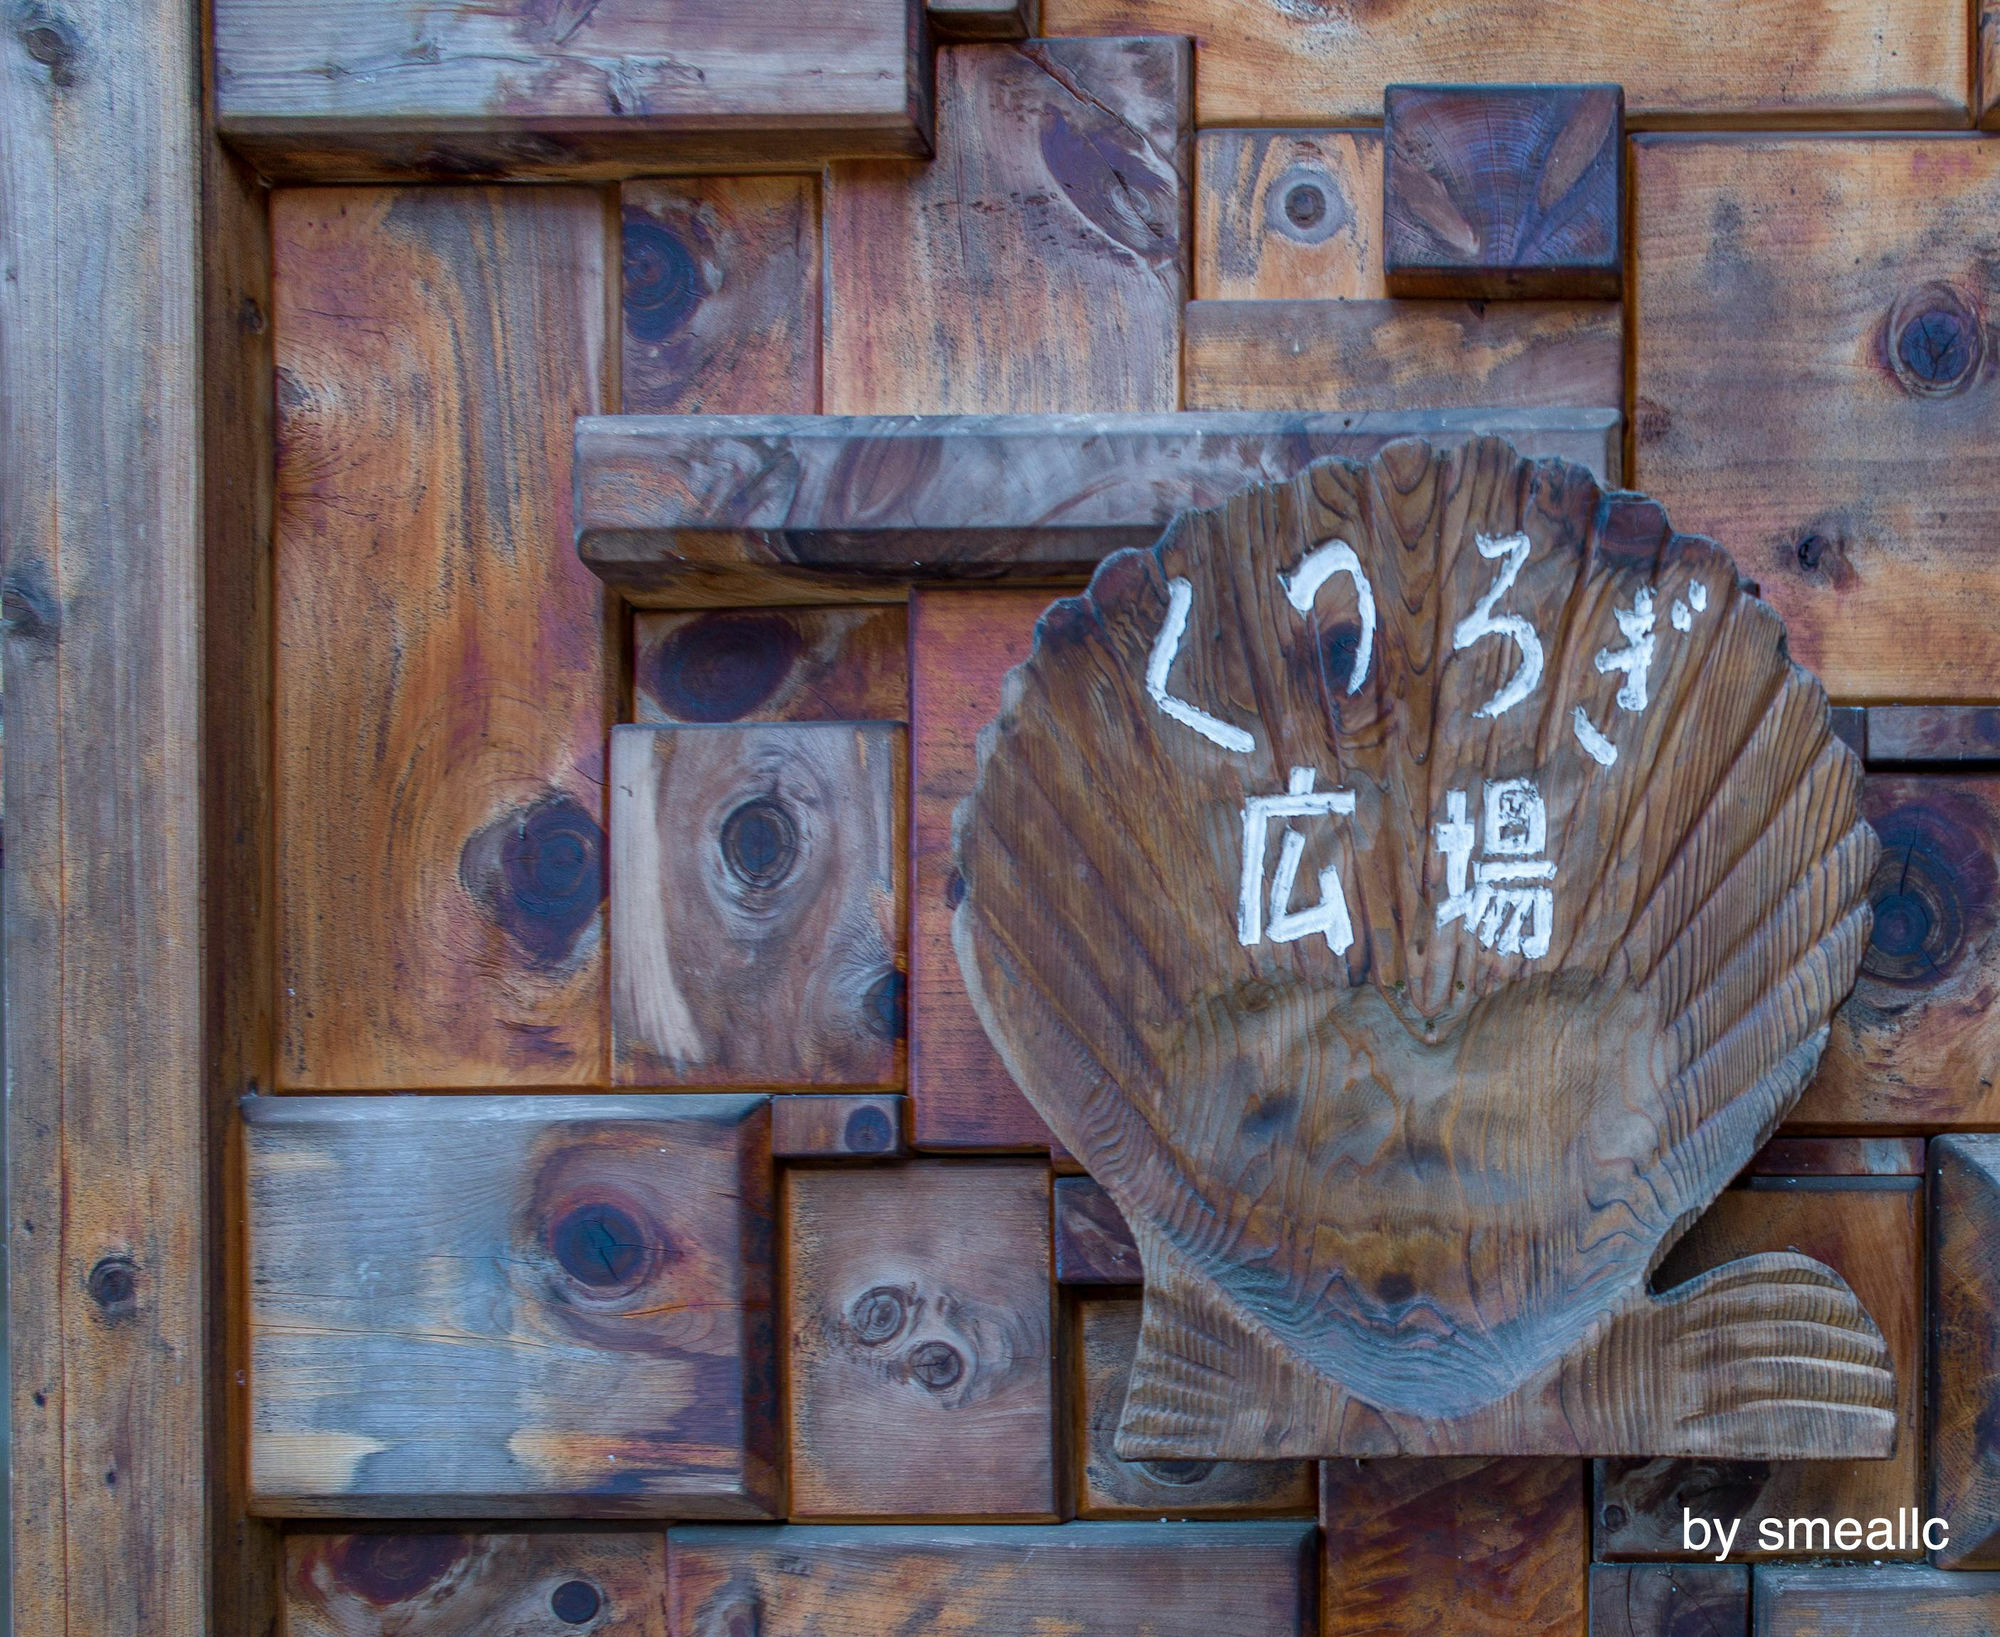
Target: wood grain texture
[
  {"x": 1965, "y": 1349},
  {"x": 922, "y": 1375},
  {"x": 1504, "y": 190},
  {"x": 720, "y": 296},
  {"x": 352, "y": 90},
  {"x": 962, "y": 644},
  {"x": 1792, "y": 1602},
  {"x": 512, "y": 1307},
  {"x": 855, "y": 1126},
  {"x": 1840, "y": 1157},
  {"x": 1986, "y": 90},
  {"x": 1401, "y": 355},
  {"x": 1082, "y": 1580},
  {"x": 1039, "y": 264},
  {"x": 1914, "y": 1047},
  {"x": 757, "y": 922},
  {"x": 1289, "y": 1121},
  {"x": 984, "y": 19},
  {"x": 476, "y": 1585},
  {"x": 1815, "y": 386},
  {"x": 772, "y": 665},
  {"x": 780, "y": 509},
  {"x": 1669, "y": 1600},
  {"x": 444, "y": 674},
  {"x": 101, "y": 524},
  {"x": 1288, "y": 215},
  {"x": 1761, "y": 62},
  {"x": 1470, "y": 1547},
  {"x": 1934, "y": 733},
  {"x": 1106, "y": 1486},
  {"x": 1094, "y": 1244},
  {"x": 1870, "y": 1231}
]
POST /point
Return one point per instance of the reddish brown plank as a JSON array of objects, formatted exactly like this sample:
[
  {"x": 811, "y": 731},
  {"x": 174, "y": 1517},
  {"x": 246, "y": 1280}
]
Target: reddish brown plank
[
  {"x": 1933, "y": 733},
  {"x": 1840, "y": 1157},
  {"x": 1288, "y": 215},
  {"x": 857, "y": 1126},
  {"x": 772, "y": 665},
  {"x": 1094, "y": 1245}
]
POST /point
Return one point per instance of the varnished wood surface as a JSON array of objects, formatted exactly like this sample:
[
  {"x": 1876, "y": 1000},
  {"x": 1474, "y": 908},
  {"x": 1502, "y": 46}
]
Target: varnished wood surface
[
  {"x": 1868, "y": 1602},
  {"x": 444, "y": 671},
  {"x": 838, "y": 1126},
  {"x": 1292, "y": 215},
  {"x": 1965, "y": 1349},
  {"x": 772, "y": 665},
  {"x": 1669, "y": 1600},
  {"x": 1039, "y": 264},
  {"x": 512, "y": 1307}
]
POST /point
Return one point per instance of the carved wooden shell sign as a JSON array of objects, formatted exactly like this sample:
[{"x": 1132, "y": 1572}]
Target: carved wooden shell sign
[{"x": 1414, "y": 891}]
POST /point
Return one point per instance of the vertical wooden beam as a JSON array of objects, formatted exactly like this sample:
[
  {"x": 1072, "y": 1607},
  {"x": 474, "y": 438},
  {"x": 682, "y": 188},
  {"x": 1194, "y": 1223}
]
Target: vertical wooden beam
[{"x": 100, "y": 515}]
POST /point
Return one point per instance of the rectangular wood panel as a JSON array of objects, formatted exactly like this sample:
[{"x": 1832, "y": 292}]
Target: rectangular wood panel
[
  {"x": 444, "y": 675},
  {"x": 1814, "y": 390},
  {"x": 1934, "y": 733},
  {"x": 850, "y": 1126},
  {"x": 984, "y": 19},
  {"x": 1965, "y": 1349},
  {"x": 1288, "y": 215},
  {"x": 1094, "y": 1244},
  {"x": 772, "y": 665},
  {"x": 1870, "y": 1602},
  {"x": 512, "y": 1307},
  {"x": 1669, "y": 1600}
]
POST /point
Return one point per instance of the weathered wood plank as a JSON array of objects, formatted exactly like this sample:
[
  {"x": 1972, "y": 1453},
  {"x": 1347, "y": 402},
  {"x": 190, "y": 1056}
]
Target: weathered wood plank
[
  {"x": 1106, "y": 1486},
  {"x": 1933, "y": 733},
  {"x": 757, "y": 922},
  {"x": 922, "y": 1373},
  {"x": 772, "y": 665},
  {"x": 444, "y": 677},
  {"x": 720, "y": 297},
  {"x": 1790, "y": 1602},
  {"x": 1082, "y": 1580},
  {"x": 1863, "y": 63},
  {"x": 857, "y": 1126},
  {"x": 1840, "y": 1157},
  {"x": 469, "y": 1584},
  {"x": 1288, "y": 215},
  {"x": 1478, "y": 1548},
  {"x": 512, "y": 1307},
  {"x": 1917, "y": 1045},
  {"x": 1094, "y": 1245},
  {"x": 1039, "y": 264},
  {"x": 1815, "y": 388},
  {"x": 772, "y": 509},
  {"x": 984, "y": 19},
  {"x": 1965, "y": 1349},
  {"x": 1669, "y": 1600},
  {"x": 1986, "y": 91},
  {"x": 1368, "y": 356},
  {"x": 351, "y": 90}
]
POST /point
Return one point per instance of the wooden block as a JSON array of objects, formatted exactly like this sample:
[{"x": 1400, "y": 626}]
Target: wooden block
[
  {"x": 852, "y": 1127},
  {"x": 962, "y": 644},
  {"x": 1094, "y": 1246},
  {"x": 1757, "y": 62},
  {"x": 346, "y": 90},
  {"x": 1467, "y": 1546},
  {"x": 984, "y": 19},
  {"x": 1389, "y": 355},
  {"x": 1107, "y": 1335},
  {"x": 1840, "y": 1157},
  {"x": 1869, "y": 1602},
  {"x": 1288, "y": 215},
  {"x": 1669, "y": 1600},
  {"x": 444, "y": 672},
  {"x": 1039, "y": 264},
  {"x": 1503, "y": 190},
  {"x": 1965, "y": 1349},
  {"x": 720, "y": 297},
  {"x": 1080, "y": 1580},
  {"x": 1986, "y": 93},
  {"x": 1776, "y": 278},
  {"x": 1850, "y": 726},
  {"x": 772, "y": 665},
  {"x": 511, "y": 1307},
  {"x": 779, "y": 509},
  {"x": 1917, "y": 1045},
  {"x": 1933, "y": 733},
  {"x": 922, "y": 1367},
  {"x": 1869, "y": 1230},
  {"x": 476, "y": 1585},
  {"x": 757, "y": 927}
]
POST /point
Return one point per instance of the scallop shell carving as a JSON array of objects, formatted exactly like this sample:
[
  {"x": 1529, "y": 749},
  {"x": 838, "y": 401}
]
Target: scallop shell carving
[{"x": 1414, "y": 891}]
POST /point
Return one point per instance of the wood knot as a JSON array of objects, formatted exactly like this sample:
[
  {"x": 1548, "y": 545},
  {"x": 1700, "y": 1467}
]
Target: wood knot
[
  {"x": 760, "y": 842},
  {"x": 721, "y": 667},
  {"x": 1307, "y": 206},
  {"x": 936, "y": 1365},
  {"x": 113, "y": 1285},
  {"x": 867, "y": 1131},
  {"x": 1934, "y": 879},
  {"x": 575, "y": 1602},
  {"x": 1936, "y": 340},
  {"x": 663, "y": 284},
  {"x": 882, "y": 1009},
  {"x": 50, "y": 41},
  {"x": 600, "y": 1245},
  {"x": 28, "y": 607},
  {"x": 1113, "y": 183},
  {"x": 388, "y": 1569},
  {"x": 877, "y": 1316},
  {"x": 539, "y": 873},
  {"x": 1178, "y": 1474}
]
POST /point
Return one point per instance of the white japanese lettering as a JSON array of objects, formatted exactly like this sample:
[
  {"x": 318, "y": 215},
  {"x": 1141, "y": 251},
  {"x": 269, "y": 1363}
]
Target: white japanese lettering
[
  {"x": 1483, "y": 621},
  {"x": 1321, "y": 564},
  {"x": 1180, "y": 598}
]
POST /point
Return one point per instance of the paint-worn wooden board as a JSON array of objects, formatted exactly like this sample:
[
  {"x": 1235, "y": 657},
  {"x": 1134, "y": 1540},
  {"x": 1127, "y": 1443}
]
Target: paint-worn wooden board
[
  {"x": 1362, "y": 356},
  {"x": 757, "y": 917},
  {"x": 1105, "y": 1337},
  {"x": 381, "y": 1584},
  {"x": 1789, "y": 1602},
  {"x": 1477, "y": 1548},
  {"x": 697, "y": 510},
  {"x": 1669, "y": 1600},
  {"x": 922, "y": 1361},
  {"x": 1039, "y": 264},
  {"x": 1288, "y": 215},
  {"x": 830, "y": 1126},
  {"x": 720, "y": 296},
  {"x": 512, "y": 1307},
  {"x": 772, "y": 665},
  {"x": 1965, "y": 1349},
  {"x": 1870, "y": 1229},
  {"x": 984, "y": 19},
  {"x": 1933, "y": 733},
  {"x": 444, "y": 674},
  {"x": 344, "y": 90},
  {"x": 1094, "y": 1244},
  {"x": 1079, "y": 1580},
  {"x": 1867, "y": 63},
  {"x": 1917, "y": 1045},
  {"x": 1815, "y": 387}
]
